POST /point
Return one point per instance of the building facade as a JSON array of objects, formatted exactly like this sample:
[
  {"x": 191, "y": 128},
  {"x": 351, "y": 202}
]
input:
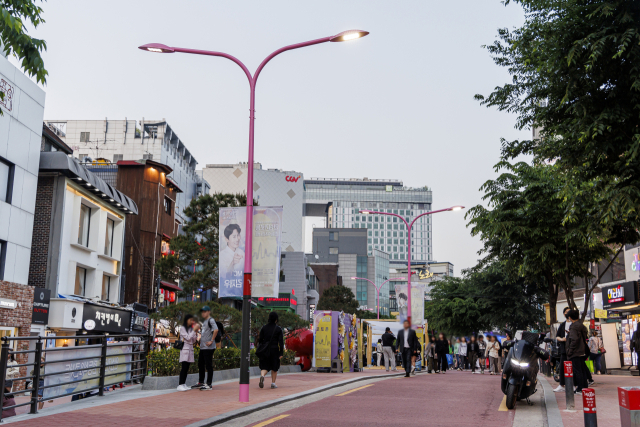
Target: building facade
[
  {"x": 340, "y": 200},
  {"x": 115, "y": 140},
  {"x": 271, "y": 187},
  {"x": 298, "y": 278}
]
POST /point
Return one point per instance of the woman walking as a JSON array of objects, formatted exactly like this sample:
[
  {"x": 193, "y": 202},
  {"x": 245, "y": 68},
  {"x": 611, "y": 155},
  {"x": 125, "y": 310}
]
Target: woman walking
[
  {"x": 462, "y": 353},
  {"x": 482, "y": 353},
  {"x": 493, "y": 351},
  {"x": 189, "y": 336},
  {"x": 473, "y": 351},
  {"x": 456, "y": 354},
  {"x": 270, "y": 349},
  {"x": 442, "y": 349},
  {"x": 595, "y": 344},
  {"x": 430, "y": 354}
]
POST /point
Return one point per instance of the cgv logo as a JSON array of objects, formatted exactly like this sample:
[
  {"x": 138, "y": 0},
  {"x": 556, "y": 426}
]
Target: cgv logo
[
  {"x": 616, "y": 294},
  {"x": 292, "y": 178}
]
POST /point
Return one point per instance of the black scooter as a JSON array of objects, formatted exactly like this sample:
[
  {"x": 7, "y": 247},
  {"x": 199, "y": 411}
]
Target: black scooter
[{"x": 520, "y": 370}]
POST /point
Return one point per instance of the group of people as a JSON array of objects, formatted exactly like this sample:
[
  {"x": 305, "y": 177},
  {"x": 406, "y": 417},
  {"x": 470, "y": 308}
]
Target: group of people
[
  {"x": 470, "y": 355},
  {"x": 270, "y": 348}
]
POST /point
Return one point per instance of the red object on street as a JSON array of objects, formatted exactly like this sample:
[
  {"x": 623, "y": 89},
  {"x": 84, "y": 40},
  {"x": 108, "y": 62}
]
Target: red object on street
[
  {"x": 588, "y": 400},
  {"x": 568, "y": 369},
  {"x": 629, "y": 398},
  {"x": 301, "y": 341}
]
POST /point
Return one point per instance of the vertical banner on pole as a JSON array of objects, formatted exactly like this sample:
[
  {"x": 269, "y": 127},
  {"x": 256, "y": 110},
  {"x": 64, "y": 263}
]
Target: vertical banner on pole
[
  {"x": 231, "y": 240},
  {"x": 417, "y": 303},
  {"x": 360, "y": 343},
  {"x": 322, "y": 339}
]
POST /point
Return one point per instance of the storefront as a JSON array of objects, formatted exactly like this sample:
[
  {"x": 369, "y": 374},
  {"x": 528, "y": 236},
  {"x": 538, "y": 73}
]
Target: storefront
[
  {"x": 285, "y": 302},
  {"x": 621, "y": 302}
]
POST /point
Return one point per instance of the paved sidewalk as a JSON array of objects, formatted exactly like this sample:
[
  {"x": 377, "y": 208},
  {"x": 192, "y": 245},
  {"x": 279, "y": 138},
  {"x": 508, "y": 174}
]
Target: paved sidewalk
[
  {"x": 606, "y": 388},
  {"x": 172, "y": 408}
]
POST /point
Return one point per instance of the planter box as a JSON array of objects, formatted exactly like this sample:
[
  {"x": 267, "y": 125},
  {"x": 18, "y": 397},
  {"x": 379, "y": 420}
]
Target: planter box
[{"x": 168, "y": 383}]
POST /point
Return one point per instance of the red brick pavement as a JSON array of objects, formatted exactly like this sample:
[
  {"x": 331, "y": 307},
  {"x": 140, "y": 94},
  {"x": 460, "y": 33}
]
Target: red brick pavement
[
  {"x": 606, "y": 389},
  {"x": 183, "y": 408}
]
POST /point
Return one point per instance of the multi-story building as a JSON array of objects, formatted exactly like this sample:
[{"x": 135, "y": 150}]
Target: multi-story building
[
  {"x": 115, "y": 140},
  {"x": 298, "y": 278},
  {"x": 272, "y": 187},
  {"x": 340, "y": 200}
]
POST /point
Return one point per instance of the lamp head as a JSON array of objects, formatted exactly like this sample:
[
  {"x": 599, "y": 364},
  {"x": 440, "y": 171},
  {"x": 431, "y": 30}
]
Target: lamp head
[
  {"x": 456, "y": 208},
  {"x": 353, "y": 278},
  {"x": 348, "y": 35},
  {"x": 156, "y": 47},
  {"x": 365, "y": 212}
]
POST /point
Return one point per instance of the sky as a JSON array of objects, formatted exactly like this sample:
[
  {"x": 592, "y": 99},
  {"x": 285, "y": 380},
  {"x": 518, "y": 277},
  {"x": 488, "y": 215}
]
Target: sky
[{"x": 397, "y": 104}]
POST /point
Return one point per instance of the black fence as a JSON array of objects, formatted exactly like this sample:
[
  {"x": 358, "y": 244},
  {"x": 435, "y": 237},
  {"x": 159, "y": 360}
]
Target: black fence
[{"x": 137, "y": 366}]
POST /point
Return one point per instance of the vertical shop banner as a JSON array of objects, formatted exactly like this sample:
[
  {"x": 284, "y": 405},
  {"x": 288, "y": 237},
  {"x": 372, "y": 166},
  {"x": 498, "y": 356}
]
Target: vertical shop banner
[
  {"x": 89, "y": 376},
  {"x": 626, "y": 334},
  {"x": 417, "y": 304},
  {"x": 322, "y": 339},
  {"x": 267, "y": 226}
]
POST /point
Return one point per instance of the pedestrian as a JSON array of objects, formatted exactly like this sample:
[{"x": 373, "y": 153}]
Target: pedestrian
[
  {"x": 430, "y": 354},
  {"x": 219, "y": 335},
  {"x": 482, "y": 353},
  {"x": 388, "y": 351},
  {"x": 8, "y": 401},
  {"x": 270, "y": 349},
  {"x": 576, "y": 349},
  {"x": 379, "y": 352},
  {"x": 188, "y": 336},
  {"x": 561, "y": 338},
  {"x": 462, "y": 354},
  {"x": 473, "y": 351},
  {"x": 443, "y": 348},
  {"x": 493, "y": 350},
  {"x": 595, "y": 344},
  {"x": 207, "y": 348},
  {"x": 12, "y": 372},
  {"x": 416, "y": 359},
  {"x": 406, "y": 347},
  {"x": 456, "y": 352}
]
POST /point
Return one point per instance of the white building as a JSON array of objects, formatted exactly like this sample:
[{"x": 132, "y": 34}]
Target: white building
[
  {"x": 272, "y": 187},
  {"x": 116, "y": 140}
]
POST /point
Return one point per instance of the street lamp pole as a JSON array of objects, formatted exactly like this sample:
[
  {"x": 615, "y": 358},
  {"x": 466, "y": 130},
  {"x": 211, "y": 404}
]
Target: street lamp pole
[
  {"x": 253, "y": 79},
  {"x": 377, "y": 289},
  {"x": 409, "y": 226}
]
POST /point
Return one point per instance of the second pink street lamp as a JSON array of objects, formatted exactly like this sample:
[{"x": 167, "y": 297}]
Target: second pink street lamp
[
  {"x": 253, "y": 79},
  {"x": 378, "y": 288},
  {"x": 367, "y": 211}
]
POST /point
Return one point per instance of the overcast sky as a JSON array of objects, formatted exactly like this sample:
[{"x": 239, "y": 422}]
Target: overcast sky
[{"x": 395, "y": 104}]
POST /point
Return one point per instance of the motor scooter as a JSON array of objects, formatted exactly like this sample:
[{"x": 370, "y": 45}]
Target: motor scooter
[{"x": 520, "y": 370}]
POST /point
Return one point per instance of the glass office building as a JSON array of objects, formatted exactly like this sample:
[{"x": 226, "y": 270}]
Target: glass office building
[{"x": 342, "y": 199}]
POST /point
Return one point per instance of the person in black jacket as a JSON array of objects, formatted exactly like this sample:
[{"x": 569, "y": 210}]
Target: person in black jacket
[
  {"x": 406, "y": 344},
  {"x": 561, "y": 337},
  {"x": 387, "y": 350},
  {"x": 442, "y": 349},
  {"x": 270, "y": 349},
  {"x": 473, "y": 353}
]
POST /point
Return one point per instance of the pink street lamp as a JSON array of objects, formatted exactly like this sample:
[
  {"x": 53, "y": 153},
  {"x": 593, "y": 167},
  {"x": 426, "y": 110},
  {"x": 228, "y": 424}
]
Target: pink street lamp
[
  {"x": 366, "y": 212},
  {"x": 253, "y": 79},
  {"x": 377, "y": 289}
]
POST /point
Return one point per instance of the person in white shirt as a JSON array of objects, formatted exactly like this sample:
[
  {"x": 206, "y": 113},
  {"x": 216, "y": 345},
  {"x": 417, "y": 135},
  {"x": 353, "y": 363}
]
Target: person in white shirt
[
  {"x": 462, "y": 352},
  {"x": 231, "y": 259},
  {"x": 379, "y": 352}
]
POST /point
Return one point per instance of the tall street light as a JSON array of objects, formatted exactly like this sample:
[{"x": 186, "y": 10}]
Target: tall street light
[
  {"x": 377, "y": 288},
  {"x": 253, "y": 79},
  {"x": 367, "y": 211}
]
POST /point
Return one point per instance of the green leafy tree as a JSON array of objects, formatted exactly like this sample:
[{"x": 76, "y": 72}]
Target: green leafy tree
[
  {"x": 14, "y": 39},
  {"x": 451, "y": 310},
  {"x": 366, "y": 314},
  {"x": 338, "y": 298},
  {"x": 197, "y": 248}
]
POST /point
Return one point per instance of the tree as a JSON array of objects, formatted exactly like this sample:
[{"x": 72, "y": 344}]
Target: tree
[
  {"x": 366, "y": 314},
  {"x": 338, "y": 298},
  {"x": 14, "y": 38},
  {"x": 174, "y": 314},
  {"x": 451, "y": 310},
  {"x": 575, "y": 76},
  {"x": 195, "y": 262}
]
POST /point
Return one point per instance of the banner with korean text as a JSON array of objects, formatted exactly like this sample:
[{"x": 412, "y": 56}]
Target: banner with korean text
[{"x": 417, "y": 304}]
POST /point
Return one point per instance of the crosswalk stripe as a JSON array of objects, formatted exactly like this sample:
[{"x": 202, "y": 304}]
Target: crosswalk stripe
[{"x": 272, "y": 420}]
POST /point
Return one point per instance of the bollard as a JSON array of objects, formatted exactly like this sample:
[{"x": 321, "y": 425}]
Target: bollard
[
  {"x": 568, "y": 385},
  {"x": 589, "y": 407},
  {"x": 629, "y": 402}
]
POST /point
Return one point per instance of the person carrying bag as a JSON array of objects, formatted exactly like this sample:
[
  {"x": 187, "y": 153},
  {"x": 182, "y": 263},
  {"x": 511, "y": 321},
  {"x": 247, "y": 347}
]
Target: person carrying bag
[{"x": 270, "y": 350}]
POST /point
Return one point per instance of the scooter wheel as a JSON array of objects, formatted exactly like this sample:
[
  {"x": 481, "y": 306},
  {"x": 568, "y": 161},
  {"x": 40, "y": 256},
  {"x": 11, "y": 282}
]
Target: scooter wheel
[{"x": 512, "y": 396}]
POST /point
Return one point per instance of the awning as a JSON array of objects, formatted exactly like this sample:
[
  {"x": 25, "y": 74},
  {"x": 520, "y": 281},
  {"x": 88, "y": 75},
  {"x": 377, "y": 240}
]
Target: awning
[
  {"x": 166, "y": 236},
  {"x": 170, "y": 286}
]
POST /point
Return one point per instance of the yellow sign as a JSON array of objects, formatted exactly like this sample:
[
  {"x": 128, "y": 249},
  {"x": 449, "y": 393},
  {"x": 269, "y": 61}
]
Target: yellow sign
[
  {"x": 601, "y": 314},
  {"x": 547, "y": 312},
  {"x": 323, "y": 341},
  {"x": 423, "y": 273}
]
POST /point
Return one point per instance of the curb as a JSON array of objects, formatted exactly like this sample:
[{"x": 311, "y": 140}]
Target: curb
[
  {"x": 554, "y": 418},
  {"x": 228, "y": 416}
]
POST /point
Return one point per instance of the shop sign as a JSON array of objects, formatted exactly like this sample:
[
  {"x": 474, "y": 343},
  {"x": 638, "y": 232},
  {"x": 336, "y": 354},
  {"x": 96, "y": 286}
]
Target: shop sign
[
  {"x": 613, "y": 315},
  {"x": 41, "y": 302},
  {"x": 8, "y": 303},
  {"x": 619, "y": 295},
  {"x": 107, "y": 319},
  {"x": 283, "y": 300},
  {"x": 600, "y": 314},
  {"x": 635, "y": 264}
]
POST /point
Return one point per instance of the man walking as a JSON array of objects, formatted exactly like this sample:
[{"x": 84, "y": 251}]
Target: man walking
[
  {"x": 387, "y": 350},
  {"x": 406, "y": 345},
  {"x": 561, "y": 337},
  {"x": 207, "y": 347},
  {"x": 577, "y": 348}
]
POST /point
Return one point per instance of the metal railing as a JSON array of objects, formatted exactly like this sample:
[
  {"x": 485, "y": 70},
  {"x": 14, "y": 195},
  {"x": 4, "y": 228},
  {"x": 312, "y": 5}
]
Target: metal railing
[{"x": 137, "y": 366}]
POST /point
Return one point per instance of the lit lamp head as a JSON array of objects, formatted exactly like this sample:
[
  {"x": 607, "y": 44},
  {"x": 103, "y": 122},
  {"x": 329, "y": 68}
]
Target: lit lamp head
[
  {"x": 365, "y": 212},
  {"x": 456, "y": 208},
  {"x": 353, "y": 278},
  {"x": 156, "y": 47},
  {"x": 348, "y": 35}
]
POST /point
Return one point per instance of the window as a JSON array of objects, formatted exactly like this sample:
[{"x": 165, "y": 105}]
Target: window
[
  {"x": 85, "y": 222},
  {"x": 85, "y": 136},
  {"x": 6, "y": 180},
  {"x": 117, "y": 157},
  {"x": 106, "y": 287},
  {"x": 395, "y": 234},
  {"x": 369, "y": 240},
  {"x": 333, "y": 236},
  {"x": 3, "y": 256},
  {"x": 81, "y": 280},
  {"x": 108, "y": 239},
  {"x": 333, "y": 251},
  {"x": 167, "y": 205}
]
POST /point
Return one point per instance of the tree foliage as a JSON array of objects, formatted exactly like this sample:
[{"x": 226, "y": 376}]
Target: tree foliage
[
  {"x": 338, "y": 298},
  {"x": 198, "y": 247},
  {"x": 287, "y": 321}
]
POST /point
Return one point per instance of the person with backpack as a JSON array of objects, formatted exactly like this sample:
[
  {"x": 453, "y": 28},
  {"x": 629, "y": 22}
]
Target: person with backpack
[
  {"x": 207, "y": 347},
  {"x": 270, "y": 349},
  {"x": 188, "y": 337}
]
